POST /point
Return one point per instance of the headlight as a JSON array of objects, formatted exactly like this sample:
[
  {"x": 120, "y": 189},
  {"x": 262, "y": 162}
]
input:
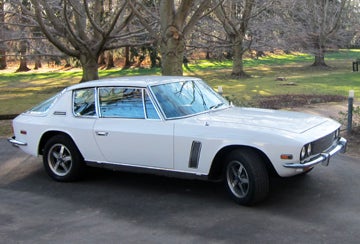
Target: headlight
[
  {"x": 305, "y": 151},
  {"x": 337, "y": 133},
  {"x": 308, "y": 150}
]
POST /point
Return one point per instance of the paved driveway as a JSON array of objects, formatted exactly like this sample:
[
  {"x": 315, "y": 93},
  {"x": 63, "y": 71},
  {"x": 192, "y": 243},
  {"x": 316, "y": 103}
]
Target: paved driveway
[{"x": 118, "y": 207}]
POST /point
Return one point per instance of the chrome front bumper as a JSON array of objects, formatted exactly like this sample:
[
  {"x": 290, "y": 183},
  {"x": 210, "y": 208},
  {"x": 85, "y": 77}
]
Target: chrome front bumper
[
  {"x": 15, "y": 142},
  {"x": 323, "y": 158}
]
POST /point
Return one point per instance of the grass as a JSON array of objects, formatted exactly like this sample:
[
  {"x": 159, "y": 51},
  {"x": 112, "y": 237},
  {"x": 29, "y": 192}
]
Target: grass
[
  {"x": 21, "y": 91},
  {"x": 300, "y": 77}
]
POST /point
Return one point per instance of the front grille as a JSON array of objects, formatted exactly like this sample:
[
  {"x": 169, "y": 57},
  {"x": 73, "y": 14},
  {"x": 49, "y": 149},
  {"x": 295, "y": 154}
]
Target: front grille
[{"x": 322, "y": 144}]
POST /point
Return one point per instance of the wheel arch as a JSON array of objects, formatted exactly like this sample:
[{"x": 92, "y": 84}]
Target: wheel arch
[
  {"x": 49, "y": 134},
  {"x": 216, "y": 169}
]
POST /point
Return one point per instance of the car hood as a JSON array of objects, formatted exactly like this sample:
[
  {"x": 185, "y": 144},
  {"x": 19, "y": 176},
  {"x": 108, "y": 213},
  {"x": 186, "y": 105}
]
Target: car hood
[{"x": 293, "y": 122}]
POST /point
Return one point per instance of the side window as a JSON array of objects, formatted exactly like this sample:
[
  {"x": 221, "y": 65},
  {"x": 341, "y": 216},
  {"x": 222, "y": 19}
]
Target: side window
[
  {"x": 84, "y": 102},
  {"x": 120, "y": 102},
  {"x": 150, "y": 109}
]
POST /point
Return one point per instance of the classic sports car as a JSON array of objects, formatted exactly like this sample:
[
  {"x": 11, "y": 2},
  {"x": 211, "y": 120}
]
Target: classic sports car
[{"x": 175, "y": 126}]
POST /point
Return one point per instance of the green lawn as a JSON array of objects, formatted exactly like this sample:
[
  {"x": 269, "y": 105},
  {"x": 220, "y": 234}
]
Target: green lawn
[{"x": 20, "y": 91}]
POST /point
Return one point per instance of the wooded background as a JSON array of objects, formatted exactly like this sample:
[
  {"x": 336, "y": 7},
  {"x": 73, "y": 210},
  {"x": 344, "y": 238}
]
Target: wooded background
[{"x": 168, "y": 33}]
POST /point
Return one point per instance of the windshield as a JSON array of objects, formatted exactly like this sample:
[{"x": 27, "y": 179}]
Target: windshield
[{"x": 184, "y": 98}]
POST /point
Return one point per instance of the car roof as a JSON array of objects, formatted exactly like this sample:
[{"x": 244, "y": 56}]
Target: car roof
[{"x": 131, "y": 81}]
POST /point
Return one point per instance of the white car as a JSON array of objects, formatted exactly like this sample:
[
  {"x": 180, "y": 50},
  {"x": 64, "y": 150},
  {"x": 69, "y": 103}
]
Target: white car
[{"x": 175, "y": 126}]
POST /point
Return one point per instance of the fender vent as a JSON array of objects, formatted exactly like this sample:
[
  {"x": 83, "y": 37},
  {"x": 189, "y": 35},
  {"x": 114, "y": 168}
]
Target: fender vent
[{"x": 195, "y": 154}]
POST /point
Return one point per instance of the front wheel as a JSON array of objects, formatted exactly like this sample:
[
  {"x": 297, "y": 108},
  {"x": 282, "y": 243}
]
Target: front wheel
[
  {"x": 62, "y": 160},
  {"x": 246, "y": 177}
]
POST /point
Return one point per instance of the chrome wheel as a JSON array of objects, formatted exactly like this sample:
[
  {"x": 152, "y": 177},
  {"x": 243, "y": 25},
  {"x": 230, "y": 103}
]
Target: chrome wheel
[
  {"x": 60, "y": 159},
  {"x": 237, "y": 179},
  {"x": 245, "y": 176}
]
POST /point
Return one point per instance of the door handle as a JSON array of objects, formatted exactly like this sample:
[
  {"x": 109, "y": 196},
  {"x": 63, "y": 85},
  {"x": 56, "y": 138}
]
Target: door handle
[{"x": 102, "y": 133}]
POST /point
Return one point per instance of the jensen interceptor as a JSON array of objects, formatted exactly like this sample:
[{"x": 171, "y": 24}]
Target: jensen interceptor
[{"x": 176, "y": 126}]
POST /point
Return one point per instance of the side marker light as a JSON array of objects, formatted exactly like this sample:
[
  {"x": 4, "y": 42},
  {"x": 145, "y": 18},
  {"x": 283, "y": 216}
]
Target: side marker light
[{"x": 286, "y": 156}]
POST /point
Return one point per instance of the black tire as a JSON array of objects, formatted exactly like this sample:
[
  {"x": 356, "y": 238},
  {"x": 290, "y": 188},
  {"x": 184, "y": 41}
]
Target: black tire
[
  {"x": 62, "y": 159},
  {"x": 246, "y": 177}
]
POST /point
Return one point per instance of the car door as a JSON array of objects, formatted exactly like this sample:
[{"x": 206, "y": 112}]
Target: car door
[
  {"x": 81, "y": 122},
  {"x": 129, "y": 130}
]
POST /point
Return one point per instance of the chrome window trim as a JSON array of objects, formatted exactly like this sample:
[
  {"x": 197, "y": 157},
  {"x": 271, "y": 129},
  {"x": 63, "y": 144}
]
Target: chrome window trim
[
  {"x": 155, "y": 105},
  {"x": 73, "y": 103},
  {"x": 144, "y": 91},
  {"x": 158, "y": 107}
]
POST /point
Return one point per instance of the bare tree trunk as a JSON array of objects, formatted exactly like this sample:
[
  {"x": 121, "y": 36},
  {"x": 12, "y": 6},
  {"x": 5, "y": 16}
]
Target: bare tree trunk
[
  {"x": 3, "y": 64},
  {"x": 90, "y": 68},
  {"x": 208, "y": 55},
  {"x": 84, "y": 29},
  {"x": 153, "y": 53},
  {"x": 318, "y": 25},
  {"x": 101, "y": 60},
  {"x": 176, "y": 21},
  {"x": 38, "y": 64},
  {"x": 109, "y": 60},
  {"x": 238, "y": 53},
  {"x": 23, "y": 60},
  {"x": 127, "y": 63},
  {"x": 37, "y": 61},
  {"x": 236, "y": 24},
  {"x": 320, "y": 59},
  {"x": 2, "y": 46},
  {"x": 172, "y": 52}
]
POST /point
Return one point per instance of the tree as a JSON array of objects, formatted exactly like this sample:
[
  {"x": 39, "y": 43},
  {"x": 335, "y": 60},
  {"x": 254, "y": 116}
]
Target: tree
[
  {"x": 236, "y": 17},
  {"x": 315, "y": 26},
  {"x": 84, "y": 29},
  {"x": 23, "y": 44},
  {"x": 21, "y": 37},
  {"x": 177, "y": 19},
  {"x": 208, "y": 37},
  {"x": 2, "y": 34}
]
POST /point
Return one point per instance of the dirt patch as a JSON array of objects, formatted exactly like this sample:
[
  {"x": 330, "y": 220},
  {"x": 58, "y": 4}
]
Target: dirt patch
[{"x": 353, "y": 144}]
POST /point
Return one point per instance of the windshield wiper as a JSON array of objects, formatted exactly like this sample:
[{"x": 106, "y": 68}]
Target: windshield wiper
[{"x": 216, "y": 106}]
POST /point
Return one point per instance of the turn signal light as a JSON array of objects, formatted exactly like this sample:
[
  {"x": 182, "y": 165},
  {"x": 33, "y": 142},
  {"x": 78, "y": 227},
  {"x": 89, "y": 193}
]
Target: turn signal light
[{"x": 286, "y": 156}]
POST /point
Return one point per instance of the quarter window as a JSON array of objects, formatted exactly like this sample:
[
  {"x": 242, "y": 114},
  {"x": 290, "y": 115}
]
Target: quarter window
[
  {"x": 45, "y": 106},
  {"x": 84, "y": 102},
  {"x": 150, "y": 109}
]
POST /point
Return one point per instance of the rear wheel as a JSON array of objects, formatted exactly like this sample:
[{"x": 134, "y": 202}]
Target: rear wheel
[
  {"x": 62, "y": 159},
  {"x": 246, "y": 177}
]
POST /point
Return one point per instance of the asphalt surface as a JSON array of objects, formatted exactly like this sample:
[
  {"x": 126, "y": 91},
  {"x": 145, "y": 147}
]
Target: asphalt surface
[{"x": 119, "y": 207}]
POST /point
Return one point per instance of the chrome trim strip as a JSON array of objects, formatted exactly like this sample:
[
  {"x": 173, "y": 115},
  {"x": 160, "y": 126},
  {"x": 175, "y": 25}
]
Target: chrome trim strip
[
  {"x": 323, "y": 158},
  {"x": 103, "y": 163},
  {"x": 16, "y": 143},
  {"x": 59, "y": 113}
]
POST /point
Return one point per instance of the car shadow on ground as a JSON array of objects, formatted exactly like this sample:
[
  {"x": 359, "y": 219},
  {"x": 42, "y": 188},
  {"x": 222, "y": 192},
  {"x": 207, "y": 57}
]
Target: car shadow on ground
[{"x": 105, "y": 188}]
